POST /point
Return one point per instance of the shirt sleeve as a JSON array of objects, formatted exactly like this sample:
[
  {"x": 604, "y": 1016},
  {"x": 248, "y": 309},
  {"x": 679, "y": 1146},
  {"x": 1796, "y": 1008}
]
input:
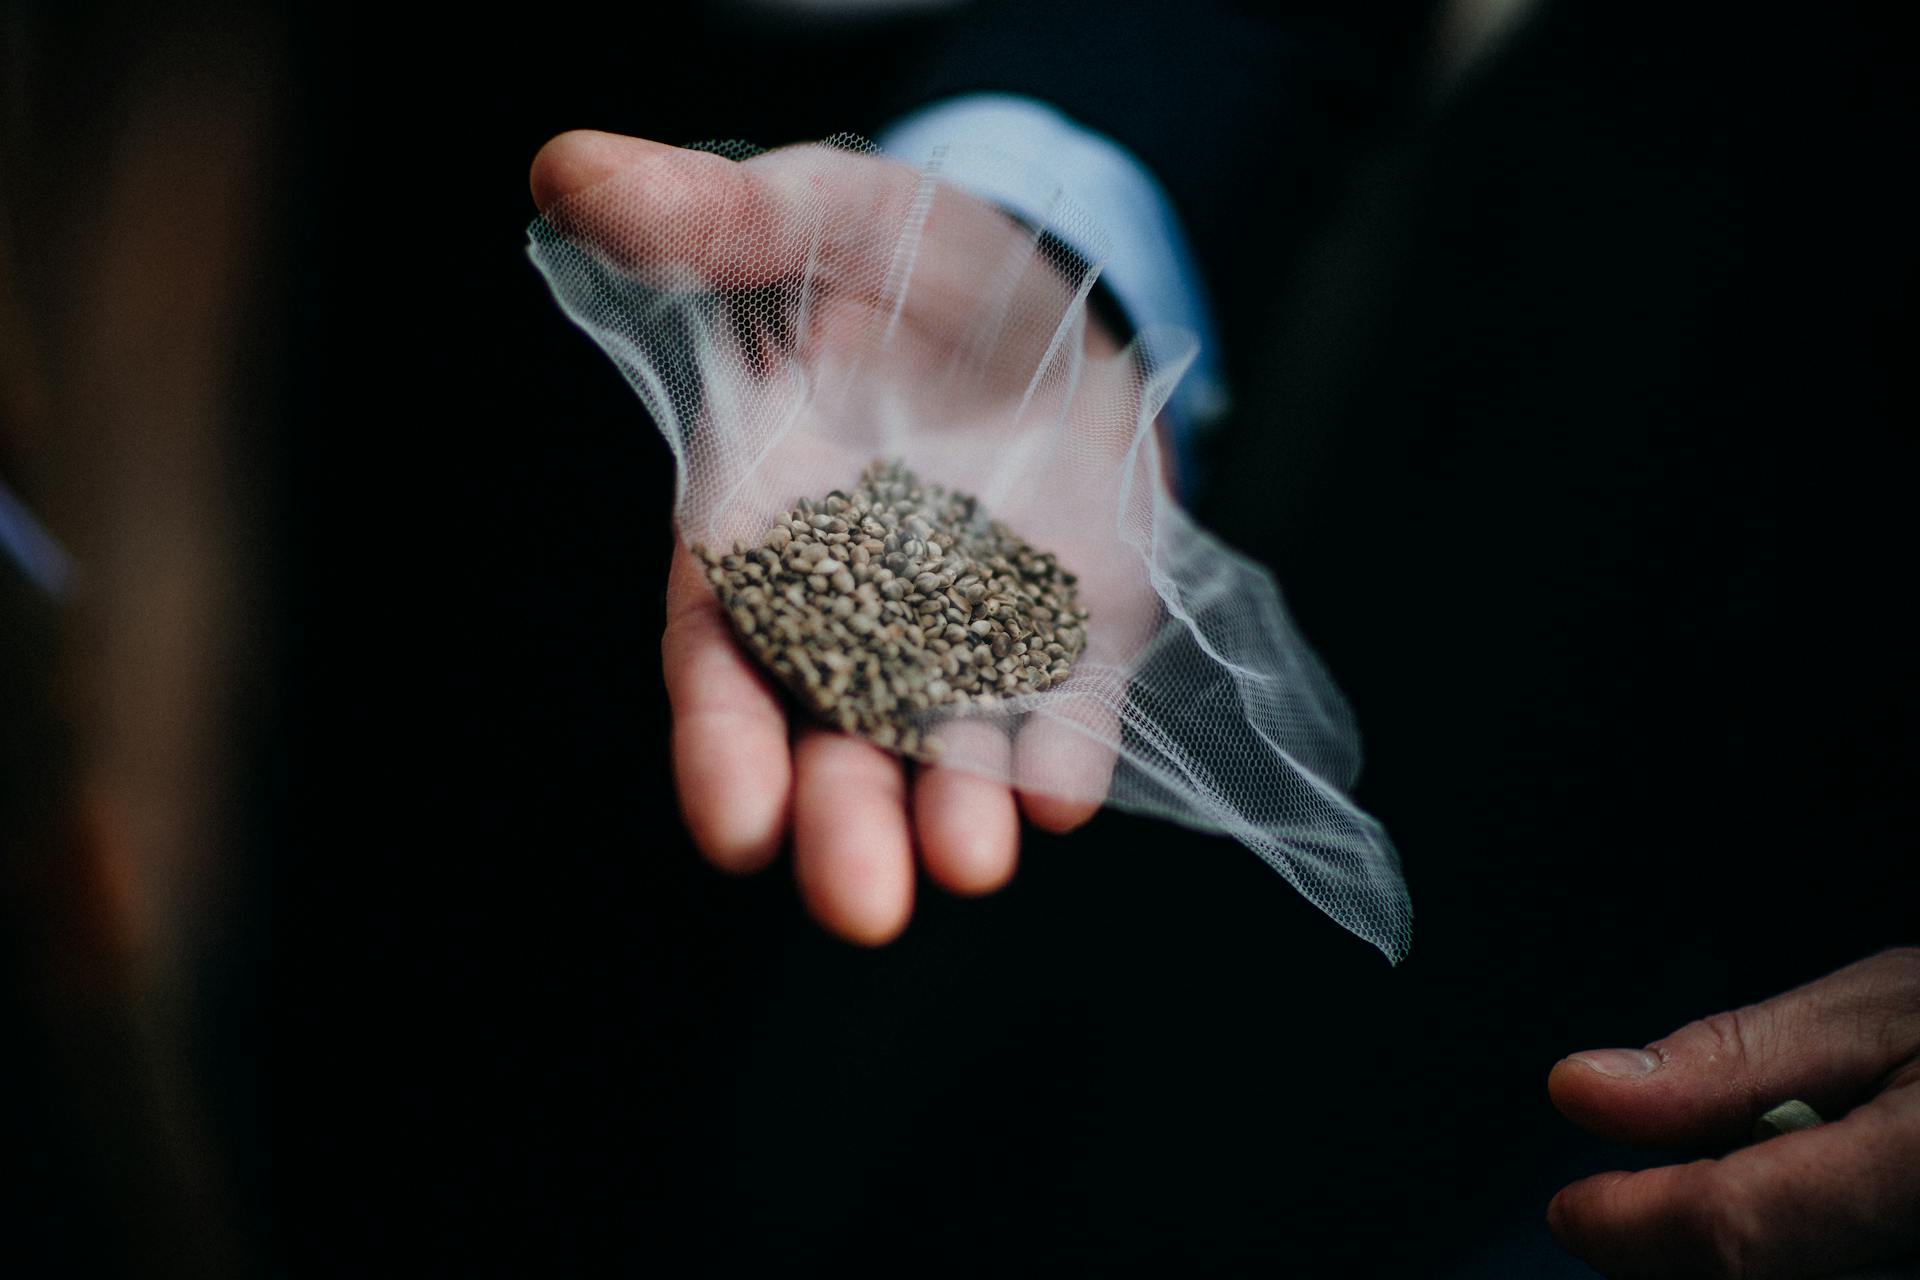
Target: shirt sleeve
[{"x": 1149, "y": 267}]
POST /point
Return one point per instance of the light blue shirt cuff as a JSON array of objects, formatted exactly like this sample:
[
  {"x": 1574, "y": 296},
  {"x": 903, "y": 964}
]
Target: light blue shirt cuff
[{"x": 1149, "y": 266}]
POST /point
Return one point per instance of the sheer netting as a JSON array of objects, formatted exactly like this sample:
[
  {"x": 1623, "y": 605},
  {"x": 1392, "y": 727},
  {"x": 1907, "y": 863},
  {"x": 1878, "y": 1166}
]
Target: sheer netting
[{"x": 789, "y": 316}]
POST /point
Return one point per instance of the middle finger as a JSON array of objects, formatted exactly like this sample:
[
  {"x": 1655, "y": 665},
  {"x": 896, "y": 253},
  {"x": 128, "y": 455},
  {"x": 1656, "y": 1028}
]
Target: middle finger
[{"x": 852, "y": 852}]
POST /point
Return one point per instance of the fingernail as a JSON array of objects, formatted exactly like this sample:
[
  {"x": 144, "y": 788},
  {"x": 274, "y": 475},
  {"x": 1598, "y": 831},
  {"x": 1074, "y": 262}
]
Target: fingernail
[{"x": 1618, "y": 1062}]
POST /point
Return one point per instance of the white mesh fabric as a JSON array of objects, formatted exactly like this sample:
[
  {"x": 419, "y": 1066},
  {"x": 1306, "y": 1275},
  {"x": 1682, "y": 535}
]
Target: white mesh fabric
[{"x": 789, "y": 316}]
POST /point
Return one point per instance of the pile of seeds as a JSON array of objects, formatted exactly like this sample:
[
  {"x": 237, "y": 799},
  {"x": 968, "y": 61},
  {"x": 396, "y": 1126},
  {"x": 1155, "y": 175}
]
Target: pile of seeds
[{"x": 900, "y": 598}]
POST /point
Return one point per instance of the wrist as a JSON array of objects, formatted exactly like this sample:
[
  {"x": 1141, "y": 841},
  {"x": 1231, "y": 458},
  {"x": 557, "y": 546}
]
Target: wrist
[{"x": 1099, "y": 204}]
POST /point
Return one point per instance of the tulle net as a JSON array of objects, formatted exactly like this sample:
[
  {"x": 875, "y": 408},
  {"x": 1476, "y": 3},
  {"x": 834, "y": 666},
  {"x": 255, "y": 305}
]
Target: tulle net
[{"x": 789, "y": 316}]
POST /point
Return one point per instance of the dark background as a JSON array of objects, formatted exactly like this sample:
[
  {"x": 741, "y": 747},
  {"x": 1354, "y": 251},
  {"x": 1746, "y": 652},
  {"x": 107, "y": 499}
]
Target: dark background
[{"x": 1575, "y": 415}]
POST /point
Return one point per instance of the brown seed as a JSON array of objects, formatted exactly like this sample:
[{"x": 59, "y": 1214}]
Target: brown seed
[{"x": 899, "y": 598}]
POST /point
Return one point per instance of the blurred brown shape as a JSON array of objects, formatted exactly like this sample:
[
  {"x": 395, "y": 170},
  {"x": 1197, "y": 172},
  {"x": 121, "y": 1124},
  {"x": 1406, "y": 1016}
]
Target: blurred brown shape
[{"x": 132, "y": 205}]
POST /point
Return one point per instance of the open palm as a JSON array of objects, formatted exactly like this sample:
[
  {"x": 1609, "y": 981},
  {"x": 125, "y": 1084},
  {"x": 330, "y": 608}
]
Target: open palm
[{"x": 745, "y": 779}]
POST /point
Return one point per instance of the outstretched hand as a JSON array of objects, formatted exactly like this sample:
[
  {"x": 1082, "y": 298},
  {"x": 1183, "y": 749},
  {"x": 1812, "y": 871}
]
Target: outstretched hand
[
  {"x": 1817, "y": 1202},
  {"x": 746, "y": 780}
]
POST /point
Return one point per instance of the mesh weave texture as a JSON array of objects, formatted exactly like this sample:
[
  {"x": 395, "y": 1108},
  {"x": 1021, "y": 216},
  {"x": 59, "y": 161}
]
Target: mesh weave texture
[{"x": 787, "y": 316}]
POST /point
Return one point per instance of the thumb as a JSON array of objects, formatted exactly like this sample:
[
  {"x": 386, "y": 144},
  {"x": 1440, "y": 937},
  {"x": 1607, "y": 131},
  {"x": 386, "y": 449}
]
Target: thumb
[
  {"x": 1828, "y": 1043},
  {"x": 736, "y": 225},
  {"x": 581, "y": 158}
]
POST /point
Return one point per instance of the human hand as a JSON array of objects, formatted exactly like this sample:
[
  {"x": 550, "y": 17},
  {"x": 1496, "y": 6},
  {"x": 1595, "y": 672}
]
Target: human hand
[
  {"x": 1813, "y": 1203},
  {"x": 744, "y": 783}
]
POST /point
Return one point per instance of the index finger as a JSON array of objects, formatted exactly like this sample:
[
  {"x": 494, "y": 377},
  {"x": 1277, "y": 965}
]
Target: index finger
[
  {"x": 1808, "y": 1203},
  {"x": 731, "y": 764}
]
